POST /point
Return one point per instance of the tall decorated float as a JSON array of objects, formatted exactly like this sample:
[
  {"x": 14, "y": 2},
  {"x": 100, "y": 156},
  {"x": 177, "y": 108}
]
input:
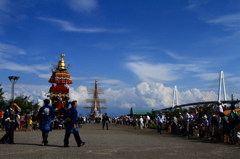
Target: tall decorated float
[{"x": 59, "y": 91}]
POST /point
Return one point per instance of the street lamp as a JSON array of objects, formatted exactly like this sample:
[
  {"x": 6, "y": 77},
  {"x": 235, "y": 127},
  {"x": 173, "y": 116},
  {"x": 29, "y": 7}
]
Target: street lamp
[{"x": 13, "y": 80}]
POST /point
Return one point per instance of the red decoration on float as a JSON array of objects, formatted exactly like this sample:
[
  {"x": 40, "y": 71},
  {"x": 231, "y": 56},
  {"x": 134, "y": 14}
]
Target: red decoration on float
[{"x": 59, "y": 91}]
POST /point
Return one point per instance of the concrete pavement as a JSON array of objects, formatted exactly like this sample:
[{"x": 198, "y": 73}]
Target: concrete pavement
[{"x": 119, "y": 142}]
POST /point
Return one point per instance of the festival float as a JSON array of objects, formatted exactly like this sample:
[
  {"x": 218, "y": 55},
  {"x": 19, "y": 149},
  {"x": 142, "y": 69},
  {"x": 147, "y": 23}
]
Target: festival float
[{"x": 59, "y": 91}]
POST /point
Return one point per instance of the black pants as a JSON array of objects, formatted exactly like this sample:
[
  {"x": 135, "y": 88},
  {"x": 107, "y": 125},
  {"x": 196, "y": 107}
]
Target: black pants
[
  {"x": 45, "y": 137},
  {"x": 34, "y": 126},
  {"x": 76, "y": 136},
  {"x": 103, "y": 125},
  {"x": 159, "y": 127},
  {"x": 9, "y": 134}
]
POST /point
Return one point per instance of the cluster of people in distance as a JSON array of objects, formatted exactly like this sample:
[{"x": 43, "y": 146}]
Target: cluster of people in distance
[
  {"x": 211, "y": 124},
  {"x": 203, "y": 122},
  {"x": 45, "y": 118}
]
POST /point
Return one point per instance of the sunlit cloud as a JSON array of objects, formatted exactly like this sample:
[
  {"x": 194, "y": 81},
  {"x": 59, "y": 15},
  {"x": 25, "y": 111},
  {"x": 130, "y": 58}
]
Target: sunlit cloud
[
  {"x": 45, "y": 76},
  {"x": 144, "y": 96},
  {"x": 154, "y": 72}
]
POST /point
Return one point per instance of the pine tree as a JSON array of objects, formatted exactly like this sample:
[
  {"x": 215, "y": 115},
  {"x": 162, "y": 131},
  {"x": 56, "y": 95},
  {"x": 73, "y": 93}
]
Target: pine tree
[{"x": 26, "y": 105}]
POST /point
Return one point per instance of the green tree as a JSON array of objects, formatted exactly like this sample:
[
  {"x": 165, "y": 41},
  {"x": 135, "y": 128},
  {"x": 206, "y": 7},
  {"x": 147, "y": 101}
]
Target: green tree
[
  {"x": 26, "y": 105},
  {"x": 3, "y": 103}
]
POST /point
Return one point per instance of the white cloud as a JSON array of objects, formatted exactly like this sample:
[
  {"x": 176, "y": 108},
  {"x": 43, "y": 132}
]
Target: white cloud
[
  {"x": 154, "y": 72},
  {"x": 144, "y": 96},
  {"x": 208, "y": 76},
  {"x": 86, "y": 6},
  {"x": 112, "y": 83},
  {"x": 10, "y": 50},
  {"x": 228, "y": 20},
  {"x": 128, "y": 105},
  {"x": 46, "y": 76},
  {"x": 8, "y": 65},
  {"x": 80, "y": 94},
  {"x": 67, "y": 26},
  {"x": 174, "y": 55},
  {"x": 34, "y": 91},
  {"x": 231, "y": 23},
  {"x": 136, "y": 58}
]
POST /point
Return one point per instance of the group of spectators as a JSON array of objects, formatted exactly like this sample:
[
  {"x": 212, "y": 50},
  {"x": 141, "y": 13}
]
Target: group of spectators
[
  {"x": 213, "y": 125},
  {"x": 29, "y": 122},
  {"x": 44, "y": 119},
  {"x": 138, "y": 122},
  {"x": 23, "y": 121}
]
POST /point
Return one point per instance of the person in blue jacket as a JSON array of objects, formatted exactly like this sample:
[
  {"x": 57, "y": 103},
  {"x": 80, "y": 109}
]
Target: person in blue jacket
[
  {"x": 10, "y": 116},
  {"x": 45, "y": 116},
  {"x": 72, "y": 125}
]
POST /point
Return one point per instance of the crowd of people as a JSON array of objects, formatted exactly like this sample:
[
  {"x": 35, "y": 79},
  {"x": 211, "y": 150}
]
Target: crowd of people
[
  {"x": 45, "y": 120},
  {"x": 29, "y": 122},
  {"x": 211, "y": 124}
]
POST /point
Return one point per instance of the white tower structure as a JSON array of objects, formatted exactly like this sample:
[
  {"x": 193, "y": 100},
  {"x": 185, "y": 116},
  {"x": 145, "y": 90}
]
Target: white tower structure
[
  {"x": 175, "y": 97},
  {"x": 221, "y": 86}
]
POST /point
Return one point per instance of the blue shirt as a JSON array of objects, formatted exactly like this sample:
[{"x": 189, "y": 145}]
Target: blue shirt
[
  {"x": 45, "y": 116},
  {"x": 73, "y": 115}
]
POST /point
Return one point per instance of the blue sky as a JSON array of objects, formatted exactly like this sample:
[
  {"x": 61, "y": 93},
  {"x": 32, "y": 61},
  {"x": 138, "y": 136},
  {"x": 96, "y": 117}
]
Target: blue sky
[{"x": 138, "y": 50}]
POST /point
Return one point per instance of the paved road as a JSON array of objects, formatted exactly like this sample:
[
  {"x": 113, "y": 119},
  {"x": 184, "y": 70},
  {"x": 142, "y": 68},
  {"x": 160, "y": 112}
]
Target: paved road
[{"x": 119, "y": 142}]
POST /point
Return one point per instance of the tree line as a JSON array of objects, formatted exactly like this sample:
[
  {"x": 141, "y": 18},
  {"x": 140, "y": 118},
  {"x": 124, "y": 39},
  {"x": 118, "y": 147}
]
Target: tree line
[{"x": 24, "y": 102}]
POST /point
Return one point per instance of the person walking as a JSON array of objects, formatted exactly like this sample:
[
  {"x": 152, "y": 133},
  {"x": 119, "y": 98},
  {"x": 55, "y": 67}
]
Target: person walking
[
  {"x": 10, "y": 116},
  {"x": 72, "y": 125},
  {"x": 28, "y": 118},
  {"x": 105, "y": 121},
  {"x": 160, "y": 119},
  {"x": 22, "y": 120},
  {"x": 141, "y": 122},
  {"x": 45, "y": 116}
]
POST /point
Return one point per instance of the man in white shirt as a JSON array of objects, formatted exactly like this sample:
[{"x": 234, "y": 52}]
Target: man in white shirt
[
  {"x": 141, "y": 122},
  {"x": 186, "y": 125},
  {"x": 160, "y": 119}
]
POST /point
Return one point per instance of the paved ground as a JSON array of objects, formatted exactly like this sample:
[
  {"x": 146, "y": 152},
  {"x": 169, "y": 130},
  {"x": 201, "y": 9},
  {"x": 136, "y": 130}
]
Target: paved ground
[{"x": 119, "y": 142}]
